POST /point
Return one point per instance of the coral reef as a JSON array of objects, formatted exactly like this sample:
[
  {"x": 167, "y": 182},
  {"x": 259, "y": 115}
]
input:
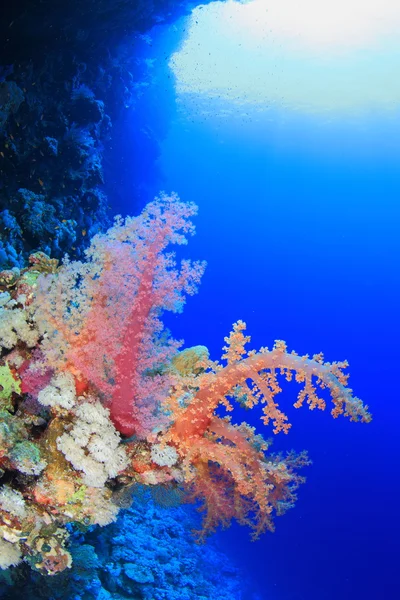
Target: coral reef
[
  {"x": 58, "y": 102},
  {"x": 148, "y": 554},
  {"x": 96, "y": 398},
  {"x": 51, "y": 166}
]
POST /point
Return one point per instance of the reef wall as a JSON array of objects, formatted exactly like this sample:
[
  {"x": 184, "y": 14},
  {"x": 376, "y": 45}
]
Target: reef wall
[
  {"x": 147, "y": 554},
  {"x": 67, "y": 71}
]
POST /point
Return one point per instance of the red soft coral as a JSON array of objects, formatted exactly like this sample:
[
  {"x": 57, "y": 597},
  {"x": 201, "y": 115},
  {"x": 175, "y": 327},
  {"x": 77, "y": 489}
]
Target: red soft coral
[{"x": 103, "y": 316}]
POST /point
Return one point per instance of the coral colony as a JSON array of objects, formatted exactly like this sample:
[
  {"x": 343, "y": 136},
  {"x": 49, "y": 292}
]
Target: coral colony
[{"x": 97, "y": 398}]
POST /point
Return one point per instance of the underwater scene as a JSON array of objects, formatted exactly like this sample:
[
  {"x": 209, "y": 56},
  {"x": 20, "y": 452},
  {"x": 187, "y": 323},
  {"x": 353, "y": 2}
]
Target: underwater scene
[{"x": 199, "y": 300}]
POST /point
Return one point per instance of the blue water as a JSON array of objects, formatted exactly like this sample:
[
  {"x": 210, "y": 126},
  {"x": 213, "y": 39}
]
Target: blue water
[
  {"x": 299, "y": 224},
  {"x": 298, "y": 221}
]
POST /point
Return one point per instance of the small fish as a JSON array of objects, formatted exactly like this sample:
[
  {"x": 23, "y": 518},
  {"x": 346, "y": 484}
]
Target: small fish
[
  {"x": 83, "y": 232},
  {"x": 2, "y": 154},
  {"x": 64, "y": 221},
  {"x": 41, "y": 182},
  {"x": 11, "y": 136}
]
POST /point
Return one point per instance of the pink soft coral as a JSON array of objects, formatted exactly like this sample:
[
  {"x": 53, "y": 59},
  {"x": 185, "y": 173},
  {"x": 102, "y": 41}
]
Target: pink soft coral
[{"x": 102, "y": 317}]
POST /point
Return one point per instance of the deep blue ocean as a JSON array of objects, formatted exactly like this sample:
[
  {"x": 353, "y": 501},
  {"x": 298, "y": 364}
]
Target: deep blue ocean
[{"x": 299, "y": 222}]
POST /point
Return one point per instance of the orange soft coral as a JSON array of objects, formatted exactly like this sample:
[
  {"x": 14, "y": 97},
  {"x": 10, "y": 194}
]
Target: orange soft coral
[
  {"x": 225, "y": 464},
  {"x": 261, "y": 368},
  {"x": 228, "y": 471}
]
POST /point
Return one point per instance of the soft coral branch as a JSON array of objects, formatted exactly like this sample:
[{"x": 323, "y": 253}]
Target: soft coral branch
[
  {"x": 103, "y": 316},
  {"x": 226, "y": 464},
  {"x": 262, "y": 369},
  {"x": 228, "y": 471}
]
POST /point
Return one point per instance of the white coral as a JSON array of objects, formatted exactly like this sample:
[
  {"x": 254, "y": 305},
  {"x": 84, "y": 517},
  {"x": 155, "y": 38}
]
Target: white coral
[
  {"x": 59, "y": 392},
  {"x": 93, "y": 445},
  {"x": 164, "y": 455},
  {"x": 10, "y": 554},
  {"x": 99, "y": 508},
  {"x": 16, "y": 325},
  {"x": 12, "y": 501}
]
